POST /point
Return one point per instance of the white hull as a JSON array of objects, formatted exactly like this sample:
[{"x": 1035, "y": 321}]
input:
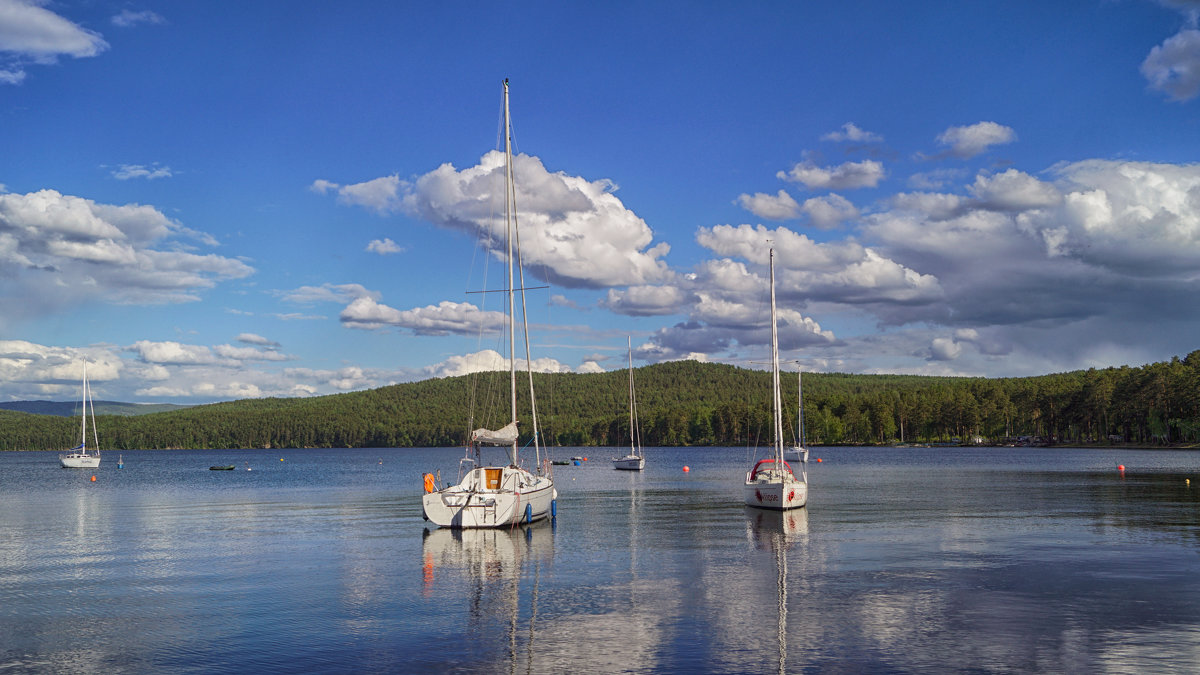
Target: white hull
[
  {"x": 630, "y": 463},
  {"x": 796, "y": 454},
  {"x": 491, "y": 497},
  {"x": 774, "y": 491},
  {"x": 76, "y": 461}
]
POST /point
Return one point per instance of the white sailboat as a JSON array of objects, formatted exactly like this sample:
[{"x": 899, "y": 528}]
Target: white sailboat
[
  {"x": 78, "y": 457},
  {"x": 499, "y": 496},
  {"x": 634, "y": 461},
  {"x": 798, "y": 452},
  {"x": 770, "y": 484}
]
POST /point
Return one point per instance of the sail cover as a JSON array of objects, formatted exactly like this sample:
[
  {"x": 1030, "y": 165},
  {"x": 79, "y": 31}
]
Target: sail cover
[{"x": 505, "y": 436}]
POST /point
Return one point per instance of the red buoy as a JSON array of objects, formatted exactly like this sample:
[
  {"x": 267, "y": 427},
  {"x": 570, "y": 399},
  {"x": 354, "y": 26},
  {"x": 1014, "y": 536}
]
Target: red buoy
[
  {"x": 1121, "y": 468},
  {"x": 685, "y": 468},
  {"x": 93, "y": 479}
]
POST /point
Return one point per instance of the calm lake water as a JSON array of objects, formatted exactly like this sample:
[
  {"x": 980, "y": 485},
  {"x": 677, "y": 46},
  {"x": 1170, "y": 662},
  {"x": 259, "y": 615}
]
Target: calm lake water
[{"x": 318, "y": 561}]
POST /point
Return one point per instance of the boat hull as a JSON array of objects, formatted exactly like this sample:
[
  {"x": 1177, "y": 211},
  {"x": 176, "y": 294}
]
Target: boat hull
[
  {"x": 491, "y": 497},
  {"x": 630, "y": 463},
  {"x": 775, "y": 494},
  {"x": 796, "y": 454},
  {"x": 76, "y": 461}
]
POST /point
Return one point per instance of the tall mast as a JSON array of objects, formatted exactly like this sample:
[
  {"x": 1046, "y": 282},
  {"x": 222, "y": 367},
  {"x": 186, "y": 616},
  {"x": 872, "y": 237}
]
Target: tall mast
[
  {"x": 775, "y": 369},
  {"x": 509, "y": 198},
  {"x": 800, "y": 401},
  {"x": 83, "y": 429},
  {"x": 632, "y": 432}
]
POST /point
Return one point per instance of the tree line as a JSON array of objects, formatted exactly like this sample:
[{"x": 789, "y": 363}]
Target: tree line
[{"x": 679, "y": 403}]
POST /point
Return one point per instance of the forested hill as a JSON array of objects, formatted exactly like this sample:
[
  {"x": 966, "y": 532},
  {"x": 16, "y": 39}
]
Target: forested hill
[{"x": 679, "y": 403}]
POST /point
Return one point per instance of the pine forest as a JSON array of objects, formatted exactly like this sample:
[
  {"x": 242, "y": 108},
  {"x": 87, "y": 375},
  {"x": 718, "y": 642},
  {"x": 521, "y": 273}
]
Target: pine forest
[{"x": 680, "y": 403}]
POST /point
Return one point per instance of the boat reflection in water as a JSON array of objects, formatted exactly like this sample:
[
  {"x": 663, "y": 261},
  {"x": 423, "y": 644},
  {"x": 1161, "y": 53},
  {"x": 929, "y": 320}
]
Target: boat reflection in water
[
  {"x": 778, "y": 532},
  {"x": 490, "y": 567}
]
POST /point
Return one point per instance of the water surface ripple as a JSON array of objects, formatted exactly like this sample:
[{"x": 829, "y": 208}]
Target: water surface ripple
[{"x": 317, "y": 561}]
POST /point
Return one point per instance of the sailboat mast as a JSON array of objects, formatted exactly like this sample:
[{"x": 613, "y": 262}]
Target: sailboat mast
[
  {"x": 632, "y": 431},
  {"x": 83, "y": 417},
  {"x": 509, "y": 197},
  {"x": 537, "y": 447},
  {"x": 800, "y": 398},
  {"x": 95, "y": 431},
  {"x": 778, "y": 403}
]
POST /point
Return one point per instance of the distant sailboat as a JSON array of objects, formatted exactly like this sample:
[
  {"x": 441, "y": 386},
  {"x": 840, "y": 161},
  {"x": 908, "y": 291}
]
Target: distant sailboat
[
  {"x": 799, "y": 452},
  {"x": 498, "y": 496},
  {"x": 770, "y": 484},
  {"x": 78, "y": 457},
  {"x": 634, "y": 461}
]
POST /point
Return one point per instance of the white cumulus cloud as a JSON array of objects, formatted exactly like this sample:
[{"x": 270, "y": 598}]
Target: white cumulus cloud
[
  {"x": 60, "y": 250},
  {"x": 1174, "y": 66},
  {"x": 384, "y": 246},
  {"x": 129, "y": 18},
  {"x": 33, "y": 34},
  {"x": 128, "y": 171},
  {"x": 829, "y": 211},
  {"x": 339, "y": 293},
  {"x": 574, "y": 232},
  {"x": 1014, "y": 190},
  {"x": 846, "y": 176},
  {"x": 969, "y": 141},
  {"x": 490, "y": 360},
  {"x": 444, "y": 318},
  {"x": 779, "y": 206},
  {"x": 851, "y": 132}
]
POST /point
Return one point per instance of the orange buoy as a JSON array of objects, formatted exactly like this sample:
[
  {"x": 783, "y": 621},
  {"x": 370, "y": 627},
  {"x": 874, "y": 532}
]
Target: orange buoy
[
  {"x": 1121, "y": 467},
  {"x": 93, "y": 479},
  {"x": 685, "y": 468},
  {"x": 429, "y": 482},
  {"x": 818, "y": 460}
]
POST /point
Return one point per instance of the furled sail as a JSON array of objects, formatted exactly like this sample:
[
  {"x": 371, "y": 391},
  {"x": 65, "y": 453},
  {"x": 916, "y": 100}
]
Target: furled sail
[{"x": 505, "y": 436}]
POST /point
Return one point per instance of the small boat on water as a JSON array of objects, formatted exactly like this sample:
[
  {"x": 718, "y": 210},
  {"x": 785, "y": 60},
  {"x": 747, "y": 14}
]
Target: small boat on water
[
  {"x": 798, "y": 453},
  {"x": 221, "y": 467},
  {"x": 770, "y": 484},
  {"x": 78, "y": 457},
  {"x": 120, "y": 461},
  {"x": 634, "y": 461}
]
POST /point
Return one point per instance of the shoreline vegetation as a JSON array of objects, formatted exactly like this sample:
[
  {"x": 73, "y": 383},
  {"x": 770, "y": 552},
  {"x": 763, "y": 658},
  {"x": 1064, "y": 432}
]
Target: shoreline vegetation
[{"x": 684, "y": 403}]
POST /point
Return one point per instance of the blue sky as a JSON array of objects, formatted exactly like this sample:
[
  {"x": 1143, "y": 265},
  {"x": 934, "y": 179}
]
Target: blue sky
[{"x": 286, "y": 199}]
